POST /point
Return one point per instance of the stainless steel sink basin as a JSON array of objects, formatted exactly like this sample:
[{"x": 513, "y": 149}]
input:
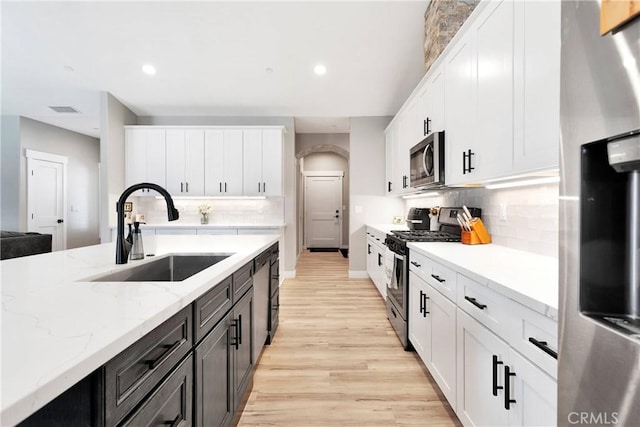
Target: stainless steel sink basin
[{"x": 171, "y": 268}]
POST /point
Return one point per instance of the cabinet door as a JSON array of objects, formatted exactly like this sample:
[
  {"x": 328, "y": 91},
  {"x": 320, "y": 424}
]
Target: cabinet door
[
  {"x": 272, "y": 162},
  {"x": 436, "y": 101},
  {"x": 213, "y": 368},
  {"x": 380, "y": 277},
  {"x": 233, "y": 167},
  {"x": 390, "y": 146},
  {"x": 135, "y": 158},
  {"x": 243, "y": 346},
  {"x": 476, "y": 366},
  {"x": 537, "y": 85},
  {"x": 214, "y": 162},
  {"x": 156, "y": 157},
  {"x": 175, "y": 162},
  {"x": 419, "y": 318},
  {"x": 535, "y": 394},
  {"x": 194, "y": 163},
  {"x": 252, "y": 164},
  {"x": 409, "y": 136},
  {"x": 494, "y": 86},
  {"x": 371, "y": 255},
  {"x": 443, "y": 343},
  {"x": 460, "y": 111}
]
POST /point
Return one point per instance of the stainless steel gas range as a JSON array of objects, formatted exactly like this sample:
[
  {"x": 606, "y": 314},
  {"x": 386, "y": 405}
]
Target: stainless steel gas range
[{"x": 398, "y": 284}]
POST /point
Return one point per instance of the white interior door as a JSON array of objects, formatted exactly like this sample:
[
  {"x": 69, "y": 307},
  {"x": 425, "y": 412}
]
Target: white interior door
[
  {"x": 46, "y": 199},
  {"x": 323, "y": 211}
]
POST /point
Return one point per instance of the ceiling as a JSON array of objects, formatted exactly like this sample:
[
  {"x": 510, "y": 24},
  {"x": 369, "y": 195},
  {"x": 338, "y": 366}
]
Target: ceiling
[{"x": 212, "y": 59}]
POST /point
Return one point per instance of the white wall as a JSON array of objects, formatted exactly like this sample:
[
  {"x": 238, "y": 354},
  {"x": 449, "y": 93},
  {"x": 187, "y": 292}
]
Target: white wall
[
  {"x": 83, "y": 154},
  {"x": 333, "y": 162},
  {"x": 532, "y": 214},
  {"x": 369, "y": 204},
  {"x": 115, "y": 116},
  {"x": 289, "y": 165},
  {"x": 10, "y": 175},
  {"x": 305, "y": 141}
]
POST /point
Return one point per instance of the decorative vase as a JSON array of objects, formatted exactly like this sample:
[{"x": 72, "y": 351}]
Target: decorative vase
[{"x": 204, "y": 218}]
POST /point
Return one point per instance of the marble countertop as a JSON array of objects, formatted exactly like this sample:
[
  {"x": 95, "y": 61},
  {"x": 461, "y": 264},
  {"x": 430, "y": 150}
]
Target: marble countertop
[
  {"x": 525, "y": 277},
  {"x": 388, "y": 228},
  {"x": 198, "y": 225},
  {"x": 57, "y": 327}
]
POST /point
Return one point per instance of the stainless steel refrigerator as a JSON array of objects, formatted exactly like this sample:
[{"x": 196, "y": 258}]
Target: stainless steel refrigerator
[{"x": 599, "y": 358}]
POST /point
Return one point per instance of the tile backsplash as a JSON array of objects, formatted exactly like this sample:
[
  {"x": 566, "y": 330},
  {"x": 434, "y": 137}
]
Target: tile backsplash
[
  {"x": 532, "y": 214},
  {"x": 268, "y": 211}
]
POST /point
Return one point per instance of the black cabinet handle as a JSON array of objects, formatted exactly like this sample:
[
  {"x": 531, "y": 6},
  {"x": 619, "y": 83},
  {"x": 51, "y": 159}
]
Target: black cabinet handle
[
  {"x": 476, "y": 303},
  {"x": 543, "y": 345},
  {"x": 496, "y": 387},
  {"x": 425, "y": 126},
  {"x": 182, "y": 187},
  {"x": 424, "y": 299},
  {"x": 264, "y": 187},
  {"x": 422, "y": 302},
  {"x": 234, "y": 323},
  {"x": 60, "y": 221},
  {"x": 225, "y": 187},
  {"x": 258, "y": 187},
  {"x": 368, "y": 248},
  {"x": 416, "y": 264},
  {"x": 507, "y": 388},
  {"x": 394, "y": 313},
  {"x": 379, "y": 260},
  {"x": 239, "y": 329},
  {"x": 221, "y": 187},
  {"x": 389, "y": 186},
  {"x": 187, "y": 187},
  {"x": 466, "y": 158},
  {"x": 438, "y": 278},
  {"x": 153, "y": 364},
  {"x": 176, "y": 421}
]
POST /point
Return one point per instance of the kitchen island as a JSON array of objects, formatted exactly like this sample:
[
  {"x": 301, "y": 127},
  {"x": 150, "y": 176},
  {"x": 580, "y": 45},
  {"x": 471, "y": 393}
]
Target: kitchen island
[{"x": 58, "y": 326}]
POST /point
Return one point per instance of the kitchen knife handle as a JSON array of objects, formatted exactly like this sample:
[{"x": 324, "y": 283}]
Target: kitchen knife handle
[
  {"x": 438, "y": 278},
  {"x": 507, "y": 388},
  {"x": 543, "y": 345},
  {"x": 496, "y": 387},
  {"x": 476, "y": 303}
]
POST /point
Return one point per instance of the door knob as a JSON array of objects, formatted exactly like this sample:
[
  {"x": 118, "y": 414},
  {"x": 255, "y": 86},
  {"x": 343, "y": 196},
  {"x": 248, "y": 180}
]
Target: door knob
[{"x": 60, "y": 221}]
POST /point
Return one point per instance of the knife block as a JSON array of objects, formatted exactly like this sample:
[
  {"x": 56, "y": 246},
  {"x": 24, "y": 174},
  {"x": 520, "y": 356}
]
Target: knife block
[{"x": 478, "y": 234}]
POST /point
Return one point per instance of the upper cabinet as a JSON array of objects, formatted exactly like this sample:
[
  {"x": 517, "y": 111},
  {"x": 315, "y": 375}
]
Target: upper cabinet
[
  {"x": 145, "y": 158},
  {"x": 206, "y": 161},
  {"x": 495, "y": 91}
]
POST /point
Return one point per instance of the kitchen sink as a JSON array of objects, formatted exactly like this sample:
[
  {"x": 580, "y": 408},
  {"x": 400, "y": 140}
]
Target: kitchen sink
[{"x": 171, "y": 268}]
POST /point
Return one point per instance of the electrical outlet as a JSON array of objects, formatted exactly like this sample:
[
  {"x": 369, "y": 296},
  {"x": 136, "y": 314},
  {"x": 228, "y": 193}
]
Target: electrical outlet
[{"x": 503, "y": 211}]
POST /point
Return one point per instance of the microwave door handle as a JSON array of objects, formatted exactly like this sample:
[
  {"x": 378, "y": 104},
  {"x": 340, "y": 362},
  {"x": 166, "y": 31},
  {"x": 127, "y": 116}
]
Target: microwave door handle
[{"x": 424, "y": 162}]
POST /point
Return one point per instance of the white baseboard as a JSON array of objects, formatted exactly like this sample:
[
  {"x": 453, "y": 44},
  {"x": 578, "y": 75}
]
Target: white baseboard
[
  {"x": 288, "y": 275},
  {"x": 358, "y": 275}
]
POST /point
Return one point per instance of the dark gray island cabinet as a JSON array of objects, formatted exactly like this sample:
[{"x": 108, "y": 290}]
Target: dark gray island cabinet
[{"x": 192, "y": 370}]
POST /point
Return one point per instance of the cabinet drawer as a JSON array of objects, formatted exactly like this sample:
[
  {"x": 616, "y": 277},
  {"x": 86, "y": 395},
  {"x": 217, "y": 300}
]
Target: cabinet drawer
[
  {"x": 485, "y": 305},
  {"x": 261, "y": 259},
  {"x": 132, "y": 374},
  {"x": 171, "y": 404},
  {"x": 242, "y": 281},
  {"x": 536, "y": 337},
  {"x": 437, "y": 275},
  {"x": 211, "y": 307}
]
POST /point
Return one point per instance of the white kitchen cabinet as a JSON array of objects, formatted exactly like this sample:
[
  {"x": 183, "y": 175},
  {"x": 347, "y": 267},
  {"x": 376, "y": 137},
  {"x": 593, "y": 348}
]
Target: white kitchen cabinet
[
  {"x": 262, "y": 164},
  {"x": 537, "y": 85},
  {"x": 432, "y": 331},
  {"x": 408, "y": 136},
  {"x": 375, "y": 260},
  {"x": 431, "y": 103},
  {"x": 223, "y": 162},
  {"x": 185, "y": 162},
  {"x": 145, "y": 158},
  {"x": 391, "y": 156}
]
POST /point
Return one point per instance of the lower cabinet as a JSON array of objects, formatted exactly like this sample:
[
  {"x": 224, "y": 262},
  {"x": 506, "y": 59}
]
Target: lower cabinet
[
  {"x": 242, "y": 352},
  {"x": 496, "y": 385},
  {"x": 375, "y": 263}
]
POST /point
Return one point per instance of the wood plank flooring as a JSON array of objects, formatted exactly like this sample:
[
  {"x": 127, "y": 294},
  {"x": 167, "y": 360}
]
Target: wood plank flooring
[{"x": 336, "y": 361}]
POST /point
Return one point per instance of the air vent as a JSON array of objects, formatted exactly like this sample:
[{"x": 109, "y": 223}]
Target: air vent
[{"x": 63, "y": 109}]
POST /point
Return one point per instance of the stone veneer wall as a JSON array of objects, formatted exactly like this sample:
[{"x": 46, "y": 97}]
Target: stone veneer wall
[{"x": 442, "y": 20}]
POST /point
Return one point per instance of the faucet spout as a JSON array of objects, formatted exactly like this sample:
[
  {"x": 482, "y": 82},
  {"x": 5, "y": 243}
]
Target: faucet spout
[{"x": 122, "y": 247}]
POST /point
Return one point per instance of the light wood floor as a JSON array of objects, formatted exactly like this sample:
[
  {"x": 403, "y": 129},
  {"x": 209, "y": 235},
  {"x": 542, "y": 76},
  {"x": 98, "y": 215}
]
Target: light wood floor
[{"x": 336, "y": 361}]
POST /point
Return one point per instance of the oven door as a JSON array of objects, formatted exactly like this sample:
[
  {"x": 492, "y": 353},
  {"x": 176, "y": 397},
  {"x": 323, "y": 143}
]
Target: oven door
[{"x": 396, "y": 287}]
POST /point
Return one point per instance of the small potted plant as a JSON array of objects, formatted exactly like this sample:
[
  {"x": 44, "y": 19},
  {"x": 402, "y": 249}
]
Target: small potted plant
[{"x": 204, "y": 210}]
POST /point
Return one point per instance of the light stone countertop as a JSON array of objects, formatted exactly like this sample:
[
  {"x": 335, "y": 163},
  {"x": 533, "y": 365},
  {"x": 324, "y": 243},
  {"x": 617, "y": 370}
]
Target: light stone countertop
[
  {"x": 57, "y": 328},
  {"x": 388, "y": 228},
  {"x": 211, "y": 225},
  {"x": 525, "y": 277}
]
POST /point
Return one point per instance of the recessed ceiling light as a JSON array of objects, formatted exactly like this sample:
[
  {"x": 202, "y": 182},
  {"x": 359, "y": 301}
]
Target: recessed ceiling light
[
  {"x": 149, "y": 69},
  {"x": 268, "y": 70},
  {"x": 69, "y": 68},
  {"x": 320, "y": 69}
]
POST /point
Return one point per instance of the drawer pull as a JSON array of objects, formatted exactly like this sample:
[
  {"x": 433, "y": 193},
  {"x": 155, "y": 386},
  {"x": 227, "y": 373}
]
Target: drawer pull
[
  {"x": 543, "y": 345},
  {"x": 496, "y": 387},
  {"x": 476, "y": 303},
  {"x": 438, "y": 278},
  {"x": 507, "y": 388},
  {"x": 153, "y": 364},
  {"x": 424, "y": 298},
  {"x": 239, "y": 330},
  {"x": 234, "y": 323},
  {"x": 416, "y": 264},
  {"x": 176, "y": 421}
]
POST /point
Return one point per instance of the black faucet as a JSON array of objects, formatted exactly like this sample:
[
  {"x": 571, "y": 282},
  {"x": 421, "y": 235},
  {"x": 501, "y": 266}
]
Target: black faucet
[{"x": 122, "y": 246}]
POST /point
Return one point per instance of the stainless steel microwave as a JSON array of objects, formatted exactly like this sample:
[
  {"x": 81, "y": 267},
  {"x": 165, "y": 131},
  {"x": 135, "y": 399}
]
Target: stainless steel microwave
[{"x": 427, "y": 162}]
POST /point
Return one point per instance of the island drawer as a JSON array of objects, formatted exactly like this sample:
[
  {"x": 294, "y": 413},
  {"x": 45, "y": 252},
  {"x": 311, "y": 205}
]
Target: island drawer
[
  {"x": 211, "y": 307},
  {"x": 262, "y": 259},
  {"x": 437, "y": 275},
  {"x": 136, "y": 371},
  {"x": 536, "y": 337},
  {"x": 242, "y": 281},
  {"x": 171, "y": 404}
]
